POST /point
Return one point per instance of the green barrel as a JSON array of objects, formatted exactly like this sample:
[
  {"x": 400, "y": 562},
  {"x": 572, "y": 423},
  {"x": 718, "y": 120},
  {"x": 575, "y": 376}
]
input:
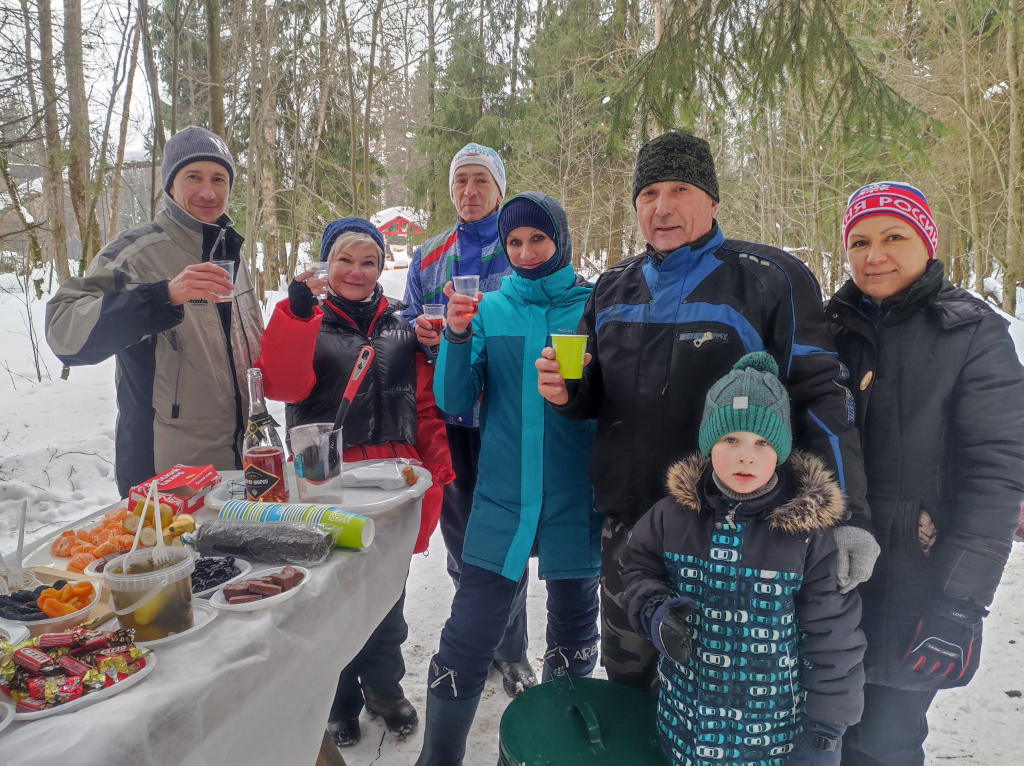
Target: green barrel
[{"x": 580, "y": 722}]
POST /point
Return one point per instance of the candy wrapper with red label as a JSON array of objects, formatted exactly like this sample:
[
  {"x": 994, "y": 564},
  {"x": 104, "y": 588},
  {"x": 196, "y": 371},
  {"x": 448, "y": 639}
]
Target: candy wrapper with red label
[{"x": 38, "y": 677}]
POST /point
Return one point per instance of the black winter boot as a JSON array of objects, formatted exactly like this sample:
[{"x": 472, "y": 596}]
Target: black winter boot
[
  {"x": 398, "y": 713},
  {"x": 516, "y": 677},
  {"x": 345, "y": 733},
  {"x": 446, "y": 730}
]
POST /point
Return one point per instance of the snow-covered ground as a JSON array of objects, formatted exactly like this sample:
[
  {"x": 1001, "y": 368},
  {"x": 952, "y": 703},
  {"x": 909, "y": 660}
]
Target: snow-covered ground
[{"x": 57, "y": 452}]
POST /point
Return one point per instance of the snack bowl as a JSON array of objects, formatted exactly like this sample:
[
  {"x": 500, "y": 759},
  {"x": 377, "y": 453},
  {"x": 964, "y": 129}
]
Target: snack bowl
[
  {"x": 13, "y": 634},
  {"x": 56, "y": 624},
  {"x": 244, "y": 568}
]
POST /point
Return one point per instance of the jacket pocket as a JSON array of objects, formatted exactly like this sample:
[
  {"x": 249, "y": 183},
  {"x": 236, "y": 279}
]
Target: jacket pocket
[{"x": 919, "y": 533}]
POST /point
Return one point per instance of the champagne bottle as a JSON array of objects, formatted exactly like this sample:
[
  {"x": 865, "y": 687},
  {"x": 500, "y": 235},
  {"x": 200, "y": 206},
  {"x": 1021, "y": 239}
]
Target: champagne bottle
[{"x": 262, "y": 449}]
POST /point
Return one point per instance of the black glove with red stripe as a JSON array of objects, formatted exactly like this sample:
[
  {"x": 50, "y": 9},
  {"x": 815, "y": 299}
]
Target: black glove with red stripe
[{"x": 944, "y": 642}]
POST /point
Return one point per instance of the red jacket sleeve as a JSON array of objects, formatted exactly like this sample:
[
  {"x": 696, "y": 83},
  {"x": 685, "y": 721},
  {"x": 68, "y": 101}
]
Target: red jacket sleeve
[
  {"x": 287, "y": 359},
  {"x": 431, "y": 436},
  {"x": 432, "y": 447}
]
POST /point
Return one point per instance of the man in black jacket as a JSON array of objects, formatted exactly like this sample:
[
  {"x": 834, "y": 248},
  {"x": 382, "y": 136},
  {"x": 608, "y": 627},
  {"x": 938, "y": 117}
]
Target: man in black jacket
[{"x": 663, "y": 327}]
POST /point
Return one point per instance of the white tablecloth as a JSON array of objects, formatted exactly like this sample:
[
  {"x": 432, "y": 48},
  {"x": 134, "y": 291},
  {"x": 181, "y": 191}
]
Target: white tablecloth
[{"x": 251, "y": 687}]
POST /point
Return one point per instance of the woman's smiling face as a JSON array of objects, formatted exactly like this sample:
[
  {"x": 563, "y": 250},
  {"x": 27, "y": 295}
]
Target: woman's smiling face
[{"x": 886, "y": 256}]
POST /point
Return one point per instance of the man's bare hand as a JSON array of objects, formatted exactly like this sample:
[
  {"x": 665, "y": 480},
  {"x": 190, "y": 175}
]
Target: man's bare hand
[
  {"x": 550, "y": 382},
  {"x": 202, "y": 281}
]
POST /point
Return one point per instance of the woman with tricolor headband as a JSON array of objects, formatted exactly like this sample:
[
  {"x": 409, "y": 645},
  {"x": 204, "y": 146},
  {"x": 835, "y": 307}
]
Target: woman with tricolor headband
[{"x": 939, "y": 394}]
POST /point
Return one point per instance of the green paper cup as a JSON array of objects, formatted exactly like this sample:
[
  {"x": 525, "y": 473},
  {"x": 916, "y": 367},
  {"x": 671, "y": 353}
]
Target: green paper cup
[{"x": 569, "y": 353}]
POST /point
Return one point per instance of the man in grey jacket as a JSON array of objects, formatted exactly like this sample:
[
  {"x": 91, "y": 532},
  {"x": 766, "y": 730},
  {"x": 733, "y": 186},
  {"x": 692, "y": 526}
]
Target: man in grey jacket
[{"x": 182, "y": 333}]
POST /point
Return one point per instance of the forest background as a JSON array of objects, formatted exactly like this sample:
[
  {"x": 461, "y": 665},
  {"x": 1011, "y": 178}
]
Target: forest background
[{"x": 348, "y": 107}]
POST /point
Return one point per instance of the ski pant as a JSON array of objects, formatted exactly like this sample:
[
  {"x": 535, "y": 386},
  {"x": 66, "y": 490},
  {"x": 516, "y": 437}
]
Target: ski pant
[
  {"x": 464, "y": 444},
  {"x": 892, "y": 729},
  {"x": 628, "y": 657},
  {"x": 479, "y": 611},
  {"x": 379, "y": 665}
]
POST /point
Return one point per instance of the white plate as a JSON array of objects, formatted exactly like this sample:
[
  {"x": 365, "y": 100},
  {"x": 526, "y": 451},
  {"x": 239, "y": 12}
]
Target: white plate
[
  {"x": 14, "y": 634},
  {"x": 86, "y": 699},
  {"x": 244, "y": 567},
  {"x": 6, "y": 716},
  {"x": 218, "y": 600},
  {"x": 202, "y": 615},
  {"x": 232, "y": 488}
]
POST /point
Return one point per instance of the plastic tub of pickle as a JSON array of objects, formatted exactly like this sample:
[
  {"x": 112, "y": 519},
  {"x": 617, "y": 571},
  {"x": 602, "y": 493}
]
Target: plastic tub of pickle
[{"x": 155, "y": 603}]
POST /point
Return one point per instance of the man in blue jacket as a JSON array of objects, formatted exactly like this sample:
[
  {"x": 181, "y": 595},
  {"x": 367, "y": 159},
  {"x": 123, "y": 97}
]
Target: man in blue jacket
[
  {"x": 663, "y": 327},
  {"x": 476, "y": 182}
]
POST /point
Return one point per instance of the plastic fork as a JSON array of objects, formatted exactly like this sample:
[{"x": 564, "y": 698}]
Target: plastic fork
[
  {"x": 138, "y": 532},
  {"x": 160, "y": 556},
  {"x": 15, "y": 575}
]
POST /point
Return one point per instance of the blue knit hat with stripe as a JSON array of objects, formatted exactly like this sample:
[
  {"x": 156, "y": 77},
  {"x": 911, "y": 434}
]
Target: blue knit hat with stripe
[
  {"x": 751, "y": 398},
  {"x": 362, "y": 226}
]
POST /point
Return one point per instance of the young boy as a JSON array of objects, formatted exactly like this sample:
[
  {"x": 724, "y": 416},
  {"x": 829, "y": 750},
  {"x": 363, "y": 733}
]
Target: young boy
[{"x": 733, "y": 578}]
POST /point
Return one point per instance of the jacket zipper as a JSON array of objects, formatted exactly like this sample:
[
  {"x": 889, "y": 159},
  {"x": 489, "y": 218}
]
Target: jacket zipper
[{"x": 172, "y": 336}]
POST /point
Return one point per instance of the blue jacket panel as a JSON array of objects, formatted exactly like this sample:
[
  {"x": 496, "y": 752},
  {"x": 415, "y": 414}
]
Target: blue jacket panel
[
  {"x": 532, "y": 488},
  {"x": 466, "y": 248}
]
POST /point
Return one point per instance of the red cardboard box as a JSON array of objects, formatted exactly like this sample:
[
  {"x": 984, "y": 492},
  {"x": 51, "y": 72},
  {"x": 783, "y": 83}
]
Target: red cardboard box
[{"x": 182, "y": 487}]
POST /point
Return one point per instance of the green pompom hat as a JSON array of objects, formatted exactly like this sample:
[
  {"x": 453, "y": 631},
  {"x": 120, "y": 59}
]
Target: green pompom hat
[{"x": 750, "y": 398}]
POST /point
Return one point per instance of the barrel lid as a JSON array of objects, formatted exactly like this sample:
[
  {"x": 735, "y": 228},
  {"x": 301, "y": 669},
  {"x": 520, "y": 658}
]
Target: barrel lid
[{"x": 580, "y": 722}]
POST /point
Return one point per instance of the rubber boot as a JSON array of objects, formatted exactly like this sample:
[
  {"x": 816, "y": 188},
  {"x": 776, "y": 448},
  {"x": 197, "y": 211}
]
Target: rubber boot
[
  {"x": 446, "y": 730},
  {"x": 398, "y": 713},
  {"x": 578, "y": 661}
]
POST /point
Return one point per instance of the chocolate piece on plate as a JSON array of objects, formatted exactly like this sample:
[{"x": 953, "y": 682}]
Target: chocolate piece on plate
[
  {"x": 236, "y": 589},
  {"x": 264, "y": 588},
  {"x": 244, "y": 599}
]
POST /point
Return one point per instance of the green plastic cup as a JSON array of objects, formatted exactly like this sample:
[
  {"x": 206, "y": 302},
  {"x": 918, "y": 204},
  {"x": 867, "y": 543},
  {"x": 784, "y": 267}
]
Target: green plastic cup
[{"x": 569, "y": 353}]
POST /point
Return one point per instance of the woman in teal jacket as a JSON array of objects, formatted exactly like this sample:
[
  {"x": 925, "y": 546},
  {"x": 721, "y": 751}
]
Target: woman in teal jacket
[{"x": 533, "y": 494}]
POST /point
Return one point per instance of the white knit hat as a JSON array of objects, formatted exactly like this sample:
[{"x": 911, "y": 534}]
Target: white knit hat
[{"x": 475, "y": 154}]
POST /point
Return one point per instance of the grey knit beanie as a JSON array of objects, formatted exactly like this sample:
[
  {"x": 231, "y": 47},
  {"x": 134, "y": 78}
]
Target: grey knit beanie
[
  {"x": 751, "y": 398},
  {"x": 194, "y": 144},
  {"x": 676, "y": 157}
]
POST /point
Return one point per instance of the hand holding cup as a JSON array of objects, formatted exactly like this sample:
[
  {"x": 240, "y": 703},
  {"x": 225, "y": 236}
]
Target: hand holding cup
[
  {"x": 550, "y": 382},
  {"x": 461, "y": 306},
  {"x": 202, "y": 281}
]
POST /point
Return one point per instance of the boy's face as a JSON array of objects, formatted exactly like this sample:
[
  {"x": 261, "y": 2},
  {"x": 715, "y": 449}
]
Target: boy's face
[{"x": 744, "y": 462}]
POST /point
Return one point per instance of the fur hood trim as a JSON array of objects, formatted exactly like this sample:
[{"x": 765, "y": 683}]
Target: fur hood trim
[{"x": 818, "y": 504}]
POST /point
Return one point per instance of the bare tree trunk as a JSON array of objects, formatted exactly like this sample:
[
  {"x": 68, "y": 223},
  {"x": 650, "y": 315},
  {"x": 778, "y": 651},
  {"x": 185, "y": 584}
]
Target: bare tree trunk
[
  {"x": 483, "y": 57},
  {"x": 251, "y": 169},
  {"x": 352, "y": 124},
  {"x": 1014, "y": 269},
  {"x": 121, "y": 72},
  {"x": 431, "y": 95},
  {"x": 213, "y": 58},
  {"x": 36, "y": 252},
  {"x": 53, "y": 178},
  {"x": 122, "y": 140},
  {"x": 37, "y": 261},
  {"x": 515, "y": 51},
  {"x": 79, "y": 149},
  {"x": 154, "y": 92},
  {"x": 370, "y": 83}
]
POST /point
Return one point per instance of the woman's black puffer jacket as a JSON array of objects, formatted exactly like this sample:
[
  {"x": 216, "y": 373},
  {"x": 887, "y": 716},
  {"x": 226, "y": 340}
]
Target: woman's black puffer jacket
[{"x": 940, "y": 406}]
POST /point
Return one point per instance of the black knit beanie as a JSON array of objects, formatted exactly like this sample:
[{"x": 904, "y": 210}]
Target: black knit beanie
[
  {"x": 676, "y": 157},
  {"x": 194, "y": 144}
]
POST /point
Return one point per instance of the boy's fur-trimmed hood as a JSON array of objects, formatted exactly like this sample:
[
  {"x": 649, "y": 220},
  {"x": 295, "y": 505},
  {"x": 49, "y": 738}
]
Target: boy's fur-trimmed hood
[{"x": 818, "y": 504}]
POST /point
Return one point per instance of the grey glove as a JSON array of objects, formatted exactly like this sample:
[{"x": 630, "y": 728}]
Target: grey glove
[{"x": 857, "y": 553}]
